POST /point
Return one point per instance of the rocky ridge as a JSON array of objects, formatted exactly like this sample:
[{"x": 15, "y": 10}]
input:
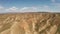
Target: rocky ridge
[{"x": 30, "y": 23}]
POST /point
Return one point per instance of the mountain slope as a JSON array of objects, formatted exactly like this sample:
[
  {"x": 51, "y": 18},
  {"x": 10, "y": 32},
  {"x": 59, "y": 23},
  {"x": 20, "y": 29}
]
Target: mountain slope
[{"x": 30, "y": 23}]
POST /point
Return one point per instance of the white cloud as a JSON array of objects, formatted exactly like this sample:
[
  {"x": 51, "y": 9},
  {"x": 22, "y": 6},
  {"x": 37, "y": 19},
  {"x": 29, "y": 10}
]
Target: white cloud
[
  {"x": 12, "y": 9},
  {"x": 56, "y": 7},
  {"x": 28, "y": 9},
  {"x": 56, "y": 4},
  {"x": 53, "y": 1},
  {"x": 24, "y": 8},
  {"x": 44, "y": 8},
  {"x": 1, "y": 7}
]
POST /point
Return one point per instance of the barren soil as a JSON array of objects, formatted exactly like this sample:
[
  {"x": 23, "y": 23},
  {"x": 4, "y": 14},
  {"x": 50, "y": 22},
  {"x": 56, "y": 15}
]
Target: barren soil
[{"x": 30, "y": 23}]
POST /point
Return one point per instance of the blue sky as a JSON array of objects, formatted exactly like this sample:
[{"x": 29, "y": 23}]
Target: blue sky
[{"x": 29, "y": 6}]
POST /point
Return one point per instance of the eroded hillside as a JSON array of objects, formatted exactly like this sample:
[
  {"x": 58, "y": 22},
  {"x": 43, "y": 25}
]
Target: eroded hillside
[{"x": 30, "y": 23}]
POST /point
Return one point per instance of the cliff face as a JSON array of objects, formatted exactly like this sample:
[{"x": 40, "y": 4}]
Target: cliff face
[{"x": 30, "y": 23}]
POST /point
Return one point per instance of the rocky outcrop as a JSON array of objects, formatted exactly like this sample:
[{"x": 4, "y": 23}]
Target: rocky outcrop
[{"x": 30, "y": 23}]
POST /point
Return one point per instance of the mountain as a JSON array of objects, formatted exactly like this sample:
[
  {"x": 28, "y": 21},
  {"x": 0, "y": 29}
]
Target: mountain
[{"x": 30, "y": 23}]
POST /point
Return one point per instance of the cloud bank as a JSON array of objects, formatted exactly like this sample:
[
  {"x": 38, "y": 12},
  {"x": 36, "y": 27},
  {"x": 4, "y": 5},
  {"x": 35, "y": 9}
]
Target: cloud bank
[
  {"x": 44, "y": 8},
  {"x": 28, "y": 9},
  {"x": 54, "y": 6}
]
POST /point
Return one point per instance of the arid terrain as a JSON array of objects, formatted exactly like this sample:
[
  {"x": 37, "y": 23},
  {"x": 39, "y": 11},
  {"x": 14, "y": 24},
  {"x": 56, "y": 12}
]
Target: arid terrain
[{"x": 30, "y": 23}]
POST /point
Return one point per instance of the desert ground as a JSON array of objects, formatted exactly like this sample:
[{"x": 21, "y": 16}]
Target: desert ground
[{"x": 30, "y": 23}]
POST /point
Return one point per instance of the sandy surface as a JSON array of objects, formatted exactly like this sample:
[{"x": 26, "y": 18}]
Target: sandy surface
[{"x": 30, "y": 23}]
